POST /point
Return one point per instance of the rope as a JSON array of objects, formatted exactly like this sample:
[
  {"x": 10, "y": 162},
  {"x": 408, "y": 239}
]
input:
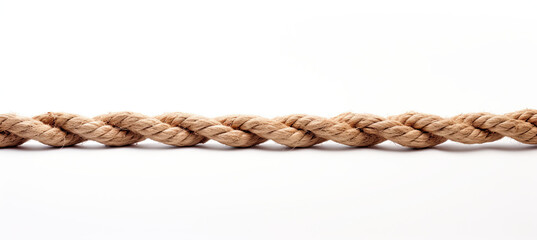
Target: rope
[{"x": 415, "y": 130}]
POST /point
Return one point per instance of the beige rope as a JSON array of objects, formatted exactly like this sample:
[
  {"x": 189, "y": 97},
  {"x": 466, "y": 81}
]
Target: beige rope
[{"x": 415, "y": 130}]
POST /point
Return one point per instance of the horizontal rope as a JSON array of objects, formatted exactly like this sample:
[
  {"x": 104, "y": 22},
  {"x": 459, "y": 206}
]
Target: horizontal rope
[{"x": 415, "y": 130}]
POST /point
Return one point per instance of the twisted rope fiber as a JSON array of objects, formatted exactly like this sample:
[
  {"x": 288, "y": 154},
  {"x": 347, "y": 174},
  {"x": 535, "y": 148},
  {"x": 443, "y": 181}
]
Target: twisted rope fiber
[{"x": 415, "y": 130}]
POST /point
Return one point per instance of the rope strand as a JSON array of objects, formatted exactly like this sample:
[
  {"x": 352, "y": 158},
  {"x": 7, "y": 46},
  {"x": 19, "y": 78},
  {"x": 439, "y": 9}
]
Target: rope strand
[{"x": 415, "y": 130}]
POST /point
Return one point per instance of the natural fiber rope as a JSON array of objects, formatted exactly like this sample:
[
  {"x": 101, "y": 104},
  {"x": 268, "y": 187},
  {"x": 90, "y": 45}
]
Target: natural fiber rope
[{"x": 415, "y": 130}]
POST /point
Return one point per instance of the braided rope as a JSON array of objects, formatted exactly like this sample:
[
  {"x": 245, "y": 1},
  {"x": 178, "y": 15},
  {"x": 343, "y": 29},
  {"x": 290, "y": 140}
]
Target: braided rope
[{"x": 415, "y": 130}]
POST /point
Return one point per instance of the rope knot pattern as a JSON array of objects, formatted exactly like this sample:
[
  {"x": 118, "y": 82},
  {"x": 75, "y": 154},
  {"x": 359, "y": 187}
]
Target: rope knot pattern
[{"x": 414, "y": 130}]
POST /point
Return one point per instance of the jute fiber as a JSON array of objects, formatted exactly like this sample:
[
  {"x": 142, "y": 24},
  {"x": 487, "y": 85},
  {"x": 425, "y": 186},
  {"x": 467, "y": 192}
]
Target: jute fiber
[{"x": 415, "y": 130}]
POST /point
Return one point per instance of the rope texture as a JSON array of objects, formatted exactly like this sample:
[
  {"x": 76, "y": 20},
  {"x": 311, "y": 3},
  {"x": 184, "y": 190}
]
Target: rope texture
[{"x": 415, "y": 130}]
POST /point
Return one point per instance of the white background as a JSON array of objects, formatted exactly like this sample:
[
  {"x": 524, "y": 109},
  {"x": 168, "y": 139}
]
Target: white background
[{"x": 268, "y": 58}]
